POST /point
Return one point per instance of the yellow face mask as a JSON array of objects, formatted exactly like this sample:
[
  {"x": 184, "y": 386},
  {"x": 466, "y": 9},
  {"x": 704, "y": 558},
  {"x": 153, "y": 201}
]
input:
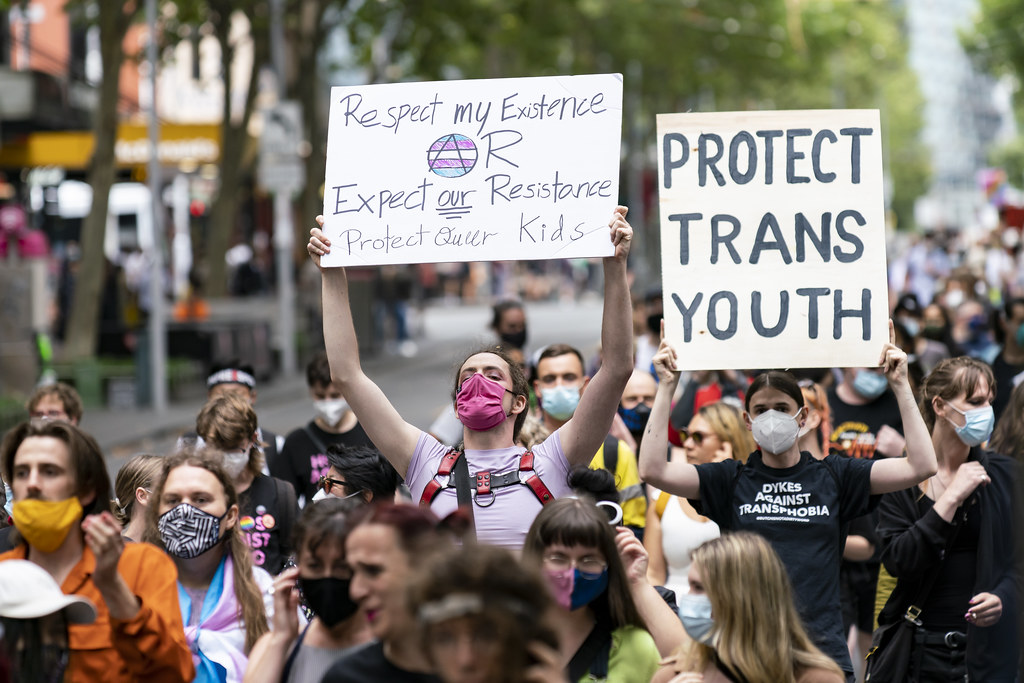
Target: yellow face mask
[{"x": 45, "y": 524}]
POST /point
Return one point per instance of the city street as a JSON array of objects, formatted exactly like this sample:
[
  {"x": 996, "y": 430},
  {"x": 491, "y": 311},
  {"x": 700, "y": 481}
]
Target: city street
[{"x": 419, "y": 386}]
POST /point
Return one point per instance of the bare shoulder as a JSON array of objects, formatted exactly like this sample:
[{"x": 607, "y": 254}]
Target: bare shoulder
[{"x": 819, "y": 675}]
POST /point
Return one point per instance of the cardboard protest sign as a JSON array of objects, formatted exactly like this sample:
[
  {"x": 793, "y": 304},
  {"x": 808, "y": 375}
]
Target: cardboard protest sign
[
  {"x": 773, "y": 238},
  {"x": 489, "y": 170}
]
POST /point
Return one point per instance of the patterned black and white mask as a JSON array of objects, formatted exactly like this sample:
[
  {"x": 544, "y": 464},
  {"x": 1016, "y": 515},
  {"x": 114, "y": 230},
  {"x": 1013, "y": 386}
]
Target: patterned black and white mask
[{"x": 188, "y": 532}]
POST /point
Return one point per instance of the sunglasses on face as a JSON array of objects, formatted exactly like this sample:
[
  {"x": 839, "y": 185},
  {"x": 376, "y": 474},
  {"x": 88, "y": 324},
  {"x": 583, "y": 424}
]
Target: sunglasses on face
[
  {"x": 698, "y": 437},
  {"x": 327, "y": 484}
]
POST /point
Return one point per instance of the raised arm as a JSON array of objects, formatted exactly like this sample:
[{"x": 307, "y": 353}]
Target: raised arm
[
  {"x": 895, "y": 474},
  {"x": 395, "y": 437},
  {"x": 583, "y": 434},
  {"x": 679, "y": 478}
]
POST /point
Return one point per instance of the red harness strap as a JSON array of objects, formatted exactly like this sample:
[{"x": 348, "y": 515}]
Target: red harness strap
[
  {"x": 434, "y": 487},
  {"x": 533, "y": 481},
  {"x": 482, "y": 480}
]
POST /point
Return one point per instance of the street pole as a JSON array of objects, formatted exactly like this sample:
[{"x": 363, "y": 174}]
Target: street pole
[
  {"x": 157, "y": 323},
  {"x": 284, "y": 239}
]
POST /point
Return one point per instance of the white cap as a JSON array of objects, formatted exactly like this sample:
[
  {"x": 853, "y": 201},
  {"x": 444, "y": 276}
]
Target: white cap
[{"x": 27, "y": 591}]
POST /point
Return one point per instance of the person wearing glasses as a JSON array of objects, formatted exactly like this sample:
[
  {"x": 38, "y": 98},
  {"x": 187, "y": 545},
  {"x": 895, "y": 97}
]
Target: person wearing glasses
[
  {"x": 357, "y": 472},
  {"x": 601, "y": 632},
  {"x": 715, "y": 433}
]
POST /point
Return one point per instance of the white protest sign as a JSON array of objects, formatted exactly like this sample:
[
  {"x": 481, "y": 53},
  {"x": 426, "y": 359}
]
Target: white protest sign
[
  {"x": 773, "y": 238},
  {"x": 488, "y": 170}
]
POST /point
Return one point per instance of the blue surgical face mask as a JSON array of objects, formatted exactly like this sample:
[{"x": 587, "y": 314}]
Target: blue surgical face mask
[
  {"x": 911, "y": 326},
  {"x": 869, "y": 384},
  {"x": 560, "y": 402},
  {"x": 586, "y": 587},
  {"x": 695, "y": 613},
  {"x": 977, "y": 424}
]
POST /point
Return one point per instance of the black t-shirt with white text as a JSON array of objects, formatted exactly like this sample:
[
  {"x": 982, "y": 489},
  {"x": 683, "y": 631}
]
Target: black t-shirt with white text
[{"x": 803, "y": 511}]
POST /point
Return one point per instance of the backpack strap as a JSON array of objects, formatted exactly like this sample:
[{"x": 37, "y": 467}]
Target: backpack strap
[
  {"x": 593, "y": 655},
  {"x": 290, "y": 662},
  {"x": 611, "y": 453},
  {"x": 317, "y": 441},
  {"x": 662, "y": 503}
]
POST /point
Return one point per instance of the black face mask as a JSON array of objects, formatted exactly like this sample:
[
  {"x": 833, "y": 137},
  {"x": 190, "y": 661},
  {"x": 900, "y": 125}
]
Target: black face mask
[
  {"x": 514, "y": 339},
  {"x": 329, "y": 599}
]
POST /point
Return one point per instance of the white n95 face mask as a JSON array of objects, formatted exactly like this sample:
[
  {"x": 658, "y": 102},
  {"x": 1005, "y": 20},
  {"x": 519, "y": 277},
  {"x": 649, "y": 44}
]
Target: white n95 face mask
[
  {"x": 330, "y": 410},
  {"x": 775, "y": 431}
]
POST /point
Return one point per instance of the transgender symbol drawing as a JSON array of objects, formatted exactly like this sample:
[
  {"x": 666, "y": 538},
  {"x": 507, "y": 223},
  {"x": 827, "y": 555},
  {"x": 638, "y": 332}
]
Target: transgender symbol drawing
[{"x": 452, "y": 156}]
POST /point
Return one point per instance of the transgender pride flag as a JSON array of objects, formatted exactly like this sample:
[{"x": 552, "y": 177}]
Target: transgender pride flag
[{"x": 452, "y": 156}]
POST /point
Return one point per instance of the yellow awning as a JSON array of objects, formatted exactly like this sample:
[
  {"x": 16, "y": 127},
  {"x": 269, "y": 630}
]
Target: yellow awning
[{"x": 71, "y": 150}]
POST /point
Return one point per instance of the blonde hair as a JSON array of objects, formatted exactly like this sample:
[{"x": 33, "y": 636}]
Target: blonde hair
[
  {"x": 139, "y": 472},
  {"x": 227, "y": 420},
  {"x": 726, "y": 422},
  {"x": 757, "y": 633},
  {"x": 251, "y": 610}
]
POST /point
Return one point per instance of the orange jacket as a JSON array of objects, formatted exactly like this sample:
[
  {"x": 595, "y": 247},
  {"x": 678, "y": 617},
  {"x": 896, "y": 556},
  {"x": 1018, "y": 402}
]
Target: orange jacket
[{"x": 150, "y": 646}]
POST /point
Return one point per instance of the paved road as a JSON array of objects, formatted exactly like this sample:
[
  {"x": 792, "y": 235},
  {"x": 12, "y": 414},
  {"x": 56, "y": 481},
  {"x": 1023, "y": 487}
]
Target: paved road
[{"x": 419, "y": 386}]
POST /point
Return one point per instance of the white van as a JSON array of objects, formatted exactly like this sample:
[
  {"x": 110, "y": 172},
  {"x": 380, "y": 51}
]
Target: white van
[{"x": 129, "y": 214}]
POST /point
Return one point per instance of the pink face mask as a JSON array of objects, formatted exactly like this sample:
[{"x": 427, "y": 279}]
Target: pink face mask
[
  {"x": 479, "y": 403},
  {"x": 560, "y": 582}
]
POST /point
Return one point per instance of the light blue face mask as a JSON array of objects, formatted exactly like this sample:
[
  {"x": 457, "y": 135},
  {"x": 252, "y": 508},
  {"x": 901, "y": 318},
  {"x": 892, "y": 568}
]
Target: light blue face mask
[
  {"x": 560, "y": 402},
  {"x": 695, "y": 613},
  {"x": 977, "y": 424},
  {"x": 1020, "y": 336},
  {"x": 869, "y": 384}
]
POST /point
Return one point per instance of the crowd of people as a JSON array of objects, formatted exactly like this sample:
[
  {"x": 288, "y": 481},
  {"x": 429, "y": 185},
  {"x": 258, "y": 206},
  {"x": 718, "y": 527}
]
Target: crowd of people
[{"x": 566, "y": 520}]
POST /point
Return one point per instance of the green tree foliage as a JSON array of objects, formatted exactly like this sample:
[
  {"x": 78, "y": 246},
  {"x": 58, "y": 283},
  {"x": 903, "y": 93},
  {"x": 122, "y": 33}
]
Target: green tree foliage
[
  {"x": 677, "y": 55},
  {"x": 996, "y": 43}
]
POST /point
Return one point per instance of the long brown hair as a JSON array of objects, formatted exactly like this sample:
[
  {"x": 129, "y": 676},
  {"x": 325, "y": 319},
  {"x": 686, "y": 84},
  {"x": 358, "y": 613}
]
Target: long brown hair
[
  {"x": 576, "y": 521},
  {"x": 250, "y": 599},
  {"x": 757, "y": 633}
]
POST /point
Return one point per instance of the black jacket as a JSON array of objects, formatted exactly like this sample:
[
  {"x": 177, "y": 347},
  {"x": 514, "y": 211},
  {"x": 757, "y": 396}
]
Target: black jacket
[{"x": 913, "y": 538}]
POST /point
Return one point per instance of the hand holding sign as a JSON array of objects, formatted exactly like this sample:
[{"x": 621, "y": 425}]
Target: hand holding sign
[
  {"x": 893, "y": 360},
  {"x": 665, "y": 366},
  {"x": 622, "y": 233},
  {"x": 318, "y": 244}
]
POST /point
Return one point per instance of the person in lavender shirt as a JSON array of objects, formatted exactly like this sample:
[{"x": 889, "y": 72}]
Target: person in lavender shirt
[{"x": 491, "y": 399}]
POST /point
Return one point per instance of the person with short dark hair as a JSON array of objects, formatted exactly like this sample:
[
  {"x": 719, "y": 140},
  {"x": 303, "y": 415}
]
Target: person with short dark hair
[
  {"x": 63, "y": 522},
  {"x": 304, "y": 460},
  {"x": 360, "y": 471},
  {"x": 560, "y": 383}
]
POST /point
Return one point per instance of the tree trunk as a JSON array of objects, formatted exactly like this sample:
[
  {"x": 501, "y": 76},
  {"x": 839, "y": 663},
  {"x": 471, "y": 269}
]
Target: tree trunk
[
  {"x": 311, "y": 34},
  {"x": 234, "y": 135},
  {"x": 83, "y": 323}
]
